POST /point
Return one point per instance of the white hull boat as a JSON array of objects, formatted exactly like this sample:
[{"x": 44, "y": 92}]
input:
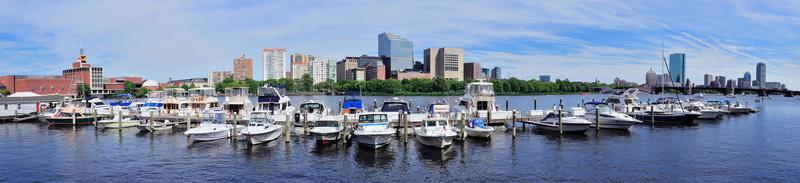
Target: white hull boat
[
  {"x": 569, "y": 124},
  {"x": 117, "y": 123},
  {"x": 435, "y": 133},
  {"x": 256, "y": 135},
  {"x": 608, "y": 118},
  {"x": 326, "y": 133},
  {"x": 373, "y": 130},
  {"x": 373, "y": 140},
  {"x": 156, "y": 126},
  {"x": 479, "y": 132},
  {"x": 209, "y": 132}
]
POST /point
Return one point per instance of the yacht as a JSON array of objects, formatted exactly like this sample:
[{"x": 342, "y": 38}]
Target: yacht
[
  {"x": 435, "y": 132},
  {"x": 706, "y": 112},
  {"x": 116, "y": 122},
  {"x": 70, "y": 115},
  {"x": 314, "y": 109},
  {"x": 730, "y": 108},
  {"x": 628, "y": 101},
  {"x": 176, "y": 102},
  {"x": 237, "y": 101},
  {"x": 479, "y": 100},
  {"x": 569, "y": 124},
  {"x": 260, "y": 128},
  {"x": 153, "y": 104},
  {"x": 212, "y": 127},
  {"x": 274, "y": 101},
  {"x": 327, "y": 129},
  {"x": 608, "y": 118},
  {"x": 439, "y": 109},
  {"x": 373, "y": 129},
  {"x": 666, "y": 114},
  {"x": 394, "y": 107},
  {"x": 153, "y": 126},
  {"x": 352, "y": 103},
  {"x": 202, "y": 99}
]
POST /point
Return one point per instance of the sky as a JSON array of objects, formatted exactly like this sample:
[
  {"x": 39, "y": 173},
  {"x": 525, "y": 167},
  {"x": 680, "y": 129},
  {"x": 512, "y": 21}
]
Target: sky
[{"x": 575, "y": 40}]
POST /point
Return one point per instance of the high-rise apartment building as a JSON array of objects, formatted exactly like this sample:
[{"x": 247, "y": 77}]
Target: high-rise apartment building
[
  {"x": 242, "y": 68},
  {"x": 677, "y": 68},
  {"x": 343, "y": 68},
  {"x": 299, "y": 63},
  {"x": 273, "y": 60},
  {"x": 332, "y": 75},
  {"x": 399, "y": 50},
  {"x": 215, "y": 77},
  {"x": 487, "y": 73},
  {"x": 707, "y": 79},
  {"x": 375, "y": 71},
  {"x": 472, "y": 71},
  {"x": 761, "y": 74},
  {"x": 318, "y": 68},
  {"x": 445, "y": 62}
]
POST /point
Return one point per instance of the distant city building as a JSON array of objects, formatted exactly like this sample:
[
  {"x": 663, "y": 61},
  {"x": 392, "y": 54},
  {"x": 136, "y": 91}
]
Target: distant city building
[
  {"x": 215, "y": 77},
  {"x": 761, "y": 74},
  {"x": 197, "y": 82},
  {"x": 445, "y": 62},
  {"x": 357, "y": 74},
  {"x": 715, "y": 84},
  {"x": 486, "y": 73},
  {"x": 343, "y": 68},
  {"x": 419, "y": 66},
  {"x": 375, "y": 70},
  {"x": 318, "y": 68},
  {"x": 743, "y": 83},
  {"x": 544, "y": 78},
  {"x": 731, "y": 84},
  {"x": 365, "y": 60},
  {"x": 332, "y": 75},
  {"x": 398, "y": 49},
  {"x": 273, "y": 60},
  {"x": 774, "y": 86},
  {"x": 707, "y": 79},
  {"x": 649, "y": 78},
  {"x": 299, "y": 63},
  {"x": 414, "y": 75},
  {"x": 39, "y": 84},
  {"x": 722, "y": 81},
  {"x": 84, "y": 73},
  {"x": 242, "y": 68},
  {"x": 747, "y": 76},
  {"x": 677, "y": 67},
  {"x": 472, "y": 71},
  {"x": 497, "y": 73}
]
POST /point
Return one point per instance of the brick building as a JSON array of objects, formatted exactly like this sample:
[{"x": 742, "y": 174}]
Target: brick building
[{"x": 39, "y": 84}]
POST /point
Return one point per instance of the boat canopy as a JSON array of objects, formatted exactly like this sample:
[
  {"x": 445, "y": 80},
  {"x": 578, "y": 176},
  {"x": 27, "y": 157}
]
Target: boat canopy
[
  {"x": 477, "y": 123},
  {"x": 352, "y": 103},
  {"x": 395, "y": 107}
]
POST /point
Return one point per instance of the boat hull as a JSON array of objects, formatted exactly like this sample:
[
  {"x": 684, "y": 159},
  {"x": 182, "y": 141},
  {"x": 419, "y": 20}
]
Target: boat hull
[
  {"x": 210, "y": 136},
  {"x": 435, "y": 141},
  {"x": 124, "y": 124},
  {"x": 710, "y": 115},
  {"x": 668, "y": 119},
  {"x": 479, "y": 132},
  {"x": 258, "y": 138},
  {"x": 154, "y": 127},
  {"x": 567, "y": 127},
  {"x": 374, "y": 141},
  {"x": 68, "y": 121},
  {"x": 330, "y": 136}
]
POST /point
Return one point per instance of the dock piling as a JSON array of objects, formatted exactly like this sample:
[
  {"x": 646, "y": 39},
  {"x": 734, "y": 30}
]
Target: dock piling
[
  {"x": 506, "y": 103},
  {"x": 534, "y": 103},
  {"x": 305, "y": 123},
  {"x": 514, "y": 124},
  {"x": 119, "y": 122},
  {"x": 405, "y": 127},
  {"x": 345, "y": 129},
  {"x": 74, "y": 121},
  {"x": 287, "y": 136},
  {"x": 652, "y": 115},
  {"x": 94, "y": 115},
  {"x": 463, "y": 125},
  {"x": 151, "y": 120},
  {"x": 597, "y": 118},
  {"x": 235, "y": 123},
  {"x": 560, "y": 124},
  {"x": 188, "y": 121}
]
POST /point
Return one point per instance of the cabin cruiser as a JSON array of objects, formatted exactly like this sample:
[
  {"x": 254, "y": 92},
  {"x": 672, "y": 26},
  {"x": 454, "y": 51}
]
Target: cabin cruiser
[
  {"x": 261, "y": 128},
  {"x": 202, "y": 99},
  {"x": 373, "y": 129},
  {"x": 706, "y": 112},
  {"x": 439, "y": 109},
  {"x": 569, "y": 124},
  {"x": 212, "y": 127},
  {"x": 628, "y": 101},
  {"x": 730, "y": 108},
  {"x": 394, "y": 107},
  {"x": 435, "y": 132},
  {"x": 314, "y": 110},
  {"x": 666, "y": 114},
  {"x": 608, "y": 118},
  {"x": 237, "y": 102},
  {"x": 116, "y": 122},
  {"x": 352, "y": 103},
  {"x": 70, "y": 115},
  {"x": 176, "y": 102},
  {"x": 106, "y": 109},
  {"x": 327, "y": 129},
  {"x": 153, "y": 104},
  {"x": 479, "y": 100}
]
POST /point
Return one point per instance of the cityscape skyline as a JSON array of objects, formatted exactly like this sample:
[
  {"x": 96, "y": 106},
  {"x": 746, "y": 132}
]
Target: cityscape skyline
[{"x": 567, "y": 48}]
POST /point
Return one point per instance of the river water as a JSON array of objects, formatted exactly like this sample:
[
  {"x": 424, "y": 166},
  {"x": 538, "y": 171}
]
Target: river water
[{"x": 760, "y": 147}]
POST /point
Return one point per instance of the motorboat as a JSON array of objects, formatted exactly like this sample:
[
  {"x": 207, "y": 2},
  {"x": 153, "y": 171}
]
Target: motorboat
[
  {"x": 212, "y": 127},
  {"x": 477, "y": 128},
  {"x": 568, "y": 124},
  {"x": 260, "y": 128},
  {"x": 608, "y": 118},
  {"x": 373, "y": 129},
  {"x": 203, "y": 99},
  {"x": 153, "y": 105},
  {"x": 706, "y": 112},
  {"x": 327, "y": 129},
  {"x": 439, "y": 109},
  {"x": 153, "y": 126},
  {"x": 116, "y": 122},
  {"x": 176, "y": 102},
  {"x": 730, "y": 108},
  {"x": 662, "y": 115},
  {"x": 237, "y": 102},
  {"x": 352, "y": 103},
  {"x": 394, "y": 107},
  {"x": 626, "y": 102},
  {"x": 479, "y": 100},
  {"x": 70, "y": 115},
  {"x": 435, "y": 132},
  {"x": 313, "y": 109}
]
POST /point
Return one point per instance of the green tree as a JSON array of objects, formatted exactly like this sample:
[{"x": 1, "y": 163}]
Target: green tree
[
  {"x": 84, "y": 90},
  {"x": 129, "y": 87},
  {"x": 306, "y": 82},
  {"x": 141, "y": 93}
]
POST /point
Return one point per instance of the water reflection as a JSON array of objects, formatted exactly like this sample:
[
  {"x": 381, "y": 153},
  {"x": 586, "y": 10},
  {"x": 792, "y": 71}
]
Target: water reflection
[
  {"x": 435, "y": 156},
  {"x": 376, "y": 158},
  {"x": 329, "y": 148},
  {"x": 555, "y": 136}
]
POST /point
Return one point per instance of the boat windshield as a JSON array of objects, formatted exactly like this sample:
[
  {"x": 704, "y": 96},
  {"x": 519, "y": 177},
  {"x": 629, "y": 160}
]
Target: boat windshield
[
  {"x": 395, "y": 107},
  {"x": 259, "y": 119},
  {"x": 326, "y": 124},
  {"x": 214, "y": 118},
  {"x": 373, "y": 118},
  {"x": 481, "y": 90},
  {"x": 271, "y": 91},
  {"x": 435, "y": 123},
  {"x": 311, "y": 107}
]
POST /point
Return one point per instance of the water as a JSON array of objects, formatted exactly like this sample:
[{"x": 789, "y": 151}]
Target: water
[{"x": 760, "y": 147}]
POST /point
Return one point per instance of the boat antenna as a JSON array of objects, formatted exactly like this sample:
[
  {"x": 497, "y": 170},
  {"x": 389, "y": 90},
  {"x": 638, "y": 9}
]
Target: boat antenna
[{"x": 672, "y": 84}]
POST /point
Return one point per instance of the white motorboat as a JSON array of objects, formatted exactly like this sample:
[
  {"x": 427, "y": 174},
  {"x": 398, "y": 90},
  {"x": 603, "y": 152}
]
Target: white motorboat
[
  {"x": 627, "y": 102},
  {"x": 608, "y": 118},
  {"x": 274, "y": 101},
  {"x": 706, "y": 112},
  {"x": 117, "y": 123},
  {"x": 237, "y": 102},
  {"x": 479, "y": 101},
  {"x": 569, "y": 124},
  {"x": 212, "y": 127},
  {"x": 261, "y": 128},
  {"x": 476, "y": 128},
  {"x": 373, "y": 130},
  {"x": 435, "y": 132},
  {"x": 326, "y": 129},
  {"x": 153, "y": 126}
]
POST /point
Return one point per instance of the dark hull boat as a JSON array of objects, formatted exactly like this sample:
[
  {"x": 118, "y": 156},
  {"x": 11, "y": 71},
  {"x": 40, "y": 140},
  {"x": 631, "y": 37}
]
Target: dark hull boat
[{"x": 667, "y": 118}]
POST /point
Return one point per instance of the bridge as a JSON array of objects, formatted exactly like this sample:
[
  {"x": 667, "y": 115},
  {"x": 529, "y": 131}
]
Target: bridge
[{"x": 726, "y": 91}]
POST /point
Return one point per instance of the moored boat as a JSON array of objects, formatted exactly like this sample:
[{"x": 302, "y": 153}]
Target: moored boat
[
  {"x": 212, "y": 127},
  {"x": 568, "y": 124},
  {"x": 326, "y": 130},
  {"x": 435, "y": 132},
  {"x": 373, "y": 130},
  {"x": 260, "y": 128}
]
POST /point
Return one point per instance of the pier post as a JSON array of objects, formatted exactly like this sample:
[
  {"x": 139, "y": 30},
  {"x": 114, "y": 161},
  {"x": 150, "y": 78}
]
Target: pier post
[
  {"x": 287, "y": 136},
  {"x": 235, "y": 122},
  {"x": 112, "y": 111},
  {"x": 405, "y": 127},
  {"x": 417, "y": 109},
  {"x": 305, "y": 123},
  {"x": 560, "y": 124},
  {"x": 94, "y": 115},
  {"x": 534, "y": 103},
  {"x": 597, "y": 118},
  {"x": 375, "y": 104},
  {"x": 345, "y": 129},
  {"x": 74, "y": 121},
  {"x": 119, "y": 122},
  {"x": 188, "y": 121},
  {"x": 652, "y": 115},
  {"x": 489, "y": 115},
  {"x": 506, "y": 103},
  {"x": 340, "y": 106},
  {"x": 514, "y": 124},
  {"x": 151, "y": 120},
  {"x": 463, "y": 125},
  {"x": 582, "y": 102}
]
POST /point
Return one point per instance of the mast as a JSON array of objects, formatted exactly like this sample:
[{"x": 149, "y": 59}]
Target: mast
[{"x": 672, "y": 84}]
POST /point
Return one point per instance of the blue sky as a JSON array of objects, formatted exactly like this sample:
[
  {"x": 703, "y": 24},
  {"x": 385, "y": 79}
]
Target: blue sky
[{"x": 579, "y": 40}]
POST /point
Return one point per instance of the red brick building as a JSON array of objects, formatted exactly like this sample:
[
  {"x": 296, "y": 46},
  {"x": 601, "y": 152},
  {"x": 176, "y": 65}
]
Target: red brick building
[
  {"x": 376, "y": 71},
  {"x": 41, "y": 84},
  {"x": 83, "y": 73}
]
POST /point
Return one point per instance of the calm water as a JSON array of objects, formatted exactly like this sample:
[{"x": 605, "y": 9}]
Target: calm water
[{"x": 760, "y": 147}]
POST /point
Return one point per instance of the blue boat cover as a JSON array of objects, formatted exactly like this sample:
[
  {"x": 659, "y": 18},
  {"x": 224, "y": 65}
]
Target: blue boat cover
[
  {"x": 352, "y": 103},
  {"x": 478, "y": 123}
]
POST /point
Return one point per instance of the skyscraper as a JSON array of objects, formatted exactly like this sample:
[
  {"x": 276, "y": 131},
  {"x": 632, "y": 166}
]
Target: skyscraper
[
  {"x": 242, "y": 68},
  {"x": 497, "y": 73},
  {"x": 398, "y": 49},
  {"x": 707, "y": 79},
  {"x": 273, "y": 60},
  {"x": 761, "y": 74},
  {"x": 318, "y": 68},
  {"x": 486, "y": 73},
  {"x": 677, "y": 68},
  {"x": 332, "y": 70},
  {"x": 446, "y": 63},
  {"x": 722, "y": 81},
  {"x": 649, "y": 78},
  {"x": 747, "y": 76}
]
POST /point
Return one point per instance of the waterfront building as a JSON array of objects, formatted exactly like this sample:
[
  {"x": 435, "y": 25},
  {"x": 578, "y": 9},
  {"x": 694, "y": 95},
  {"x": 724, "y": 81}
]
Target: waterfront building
[
  {"x": 299, "y": 65},
  {"x": 215, "y": 77},
  {"x": 242, "y": 68},
  {"x": 398, "y": 50},
  {"x": 273, "y": 60},
  {"x": 343, "y": 68},
  {"x": 84, "y": 73},
  {"x": 472, "y": 71},
  {"x": 117, "y": 84},
  {"x": 39, "y": 84},
  {"x": 544, "y": 78},
  {"x": 197, "y": 82},
  {"x": 375, "y": 70},
  {"x": 707, "y": 79},
  {"x": 486, "y": 73},
  {"x": 413, "y": 75},
  {"x": 497, "y": 73},
  {"x": 677, "y": 67},
  {"x": 649, "y": 78},
  {"x": 318, "y": 68},
  {"x": 357, "y": 74},
  {"x": 445, "y": 62},
  {"x": 721, "y": 80},
  {"x": 761, "y": 74}
]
